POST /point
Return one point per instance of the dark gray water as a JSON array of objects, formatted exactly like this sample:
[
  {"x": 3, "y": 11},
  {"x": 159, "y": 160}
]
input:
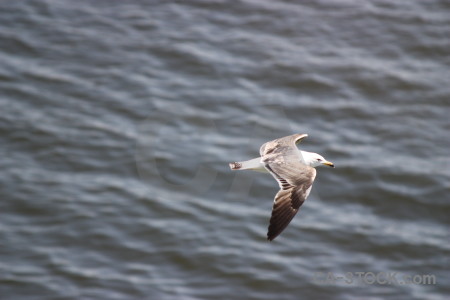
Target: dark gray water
[{"x": 118, "y": 120}]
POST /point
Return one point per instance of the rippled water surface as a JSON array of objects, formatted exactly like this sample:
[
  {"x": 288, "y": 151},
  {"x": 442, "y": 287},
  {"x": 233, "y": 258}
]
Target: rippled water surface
[{"x": 118, "y": 120}]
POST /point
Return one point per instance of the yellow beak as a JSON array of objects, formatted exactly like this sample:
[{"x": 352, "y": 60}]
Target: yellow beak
[{"x": 328, "y": 163}]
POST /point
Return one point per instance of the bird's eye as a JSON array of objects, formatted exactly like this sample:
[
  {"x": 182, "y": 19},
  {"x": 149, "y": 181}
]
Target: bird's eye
[{"x": 318, "y": 159}]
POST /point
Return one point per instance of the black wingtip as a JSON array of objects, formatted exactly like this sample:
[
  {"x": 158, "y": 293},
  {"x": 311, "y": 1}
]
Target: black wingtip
[{"x": 270, "y": 237}]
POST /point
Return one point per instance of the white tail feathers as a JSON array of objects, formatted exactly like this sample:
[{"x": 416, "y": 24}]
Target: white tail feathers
[
  {"x": 252, "y": 164},
  {"x": 235, "y": 165}
]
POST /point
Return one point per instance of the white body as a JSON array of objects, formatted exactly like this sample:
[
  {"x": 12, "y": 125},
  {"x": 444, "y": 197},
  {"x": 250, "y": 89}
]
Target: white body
[{"x": 308, "y": 158}]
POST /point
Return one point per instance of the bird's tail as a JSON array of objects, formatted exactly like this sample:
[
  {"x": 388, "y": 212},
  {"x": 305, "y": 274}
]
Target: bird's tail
[
  {"x": 252, "y": 164},
  {"x": 235, "y": 165}
]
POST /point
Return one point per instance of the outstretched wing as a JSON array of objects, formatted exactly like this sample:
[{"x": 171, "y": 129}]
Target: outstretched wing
[
  {"x": 285, "y": 145},
  {"x": 283, "y": 160}
]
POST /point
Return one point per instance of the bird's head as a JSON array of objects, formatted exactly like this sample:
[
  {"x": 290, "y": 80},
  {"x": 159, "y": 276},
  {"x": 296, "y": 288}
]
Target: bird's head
[{"x": 314, "y": 160}]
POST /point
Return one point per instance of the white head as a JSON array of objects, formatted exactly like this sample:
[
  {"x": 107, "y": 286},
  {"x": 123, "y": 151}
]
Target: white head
[{"x": 313, "y": 159}]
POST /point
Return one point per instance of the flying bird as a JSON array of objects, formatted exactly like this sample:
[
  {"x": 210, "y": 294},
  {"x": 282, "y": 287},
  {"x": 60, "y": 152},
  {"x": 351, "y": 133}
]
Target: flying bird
[{"x": 293, "y": 169}]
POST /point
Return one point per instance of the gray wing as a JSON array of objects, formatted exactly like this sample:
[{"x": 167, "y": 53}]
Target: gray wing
[
  {"x": 282, "y": 148},
  {"x": 282, "y": 160}
]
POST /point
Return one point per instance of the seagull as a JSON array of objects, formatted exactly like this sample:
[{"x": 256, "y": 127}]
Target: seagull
[{"x": 293, "y": 169}]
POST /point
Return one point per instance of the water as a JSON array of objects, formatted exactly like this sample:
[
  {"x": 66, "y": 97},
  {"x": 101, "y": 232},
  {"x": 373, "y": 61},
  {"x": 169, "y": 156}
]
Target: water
[{"x": 118, "y": 120}]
